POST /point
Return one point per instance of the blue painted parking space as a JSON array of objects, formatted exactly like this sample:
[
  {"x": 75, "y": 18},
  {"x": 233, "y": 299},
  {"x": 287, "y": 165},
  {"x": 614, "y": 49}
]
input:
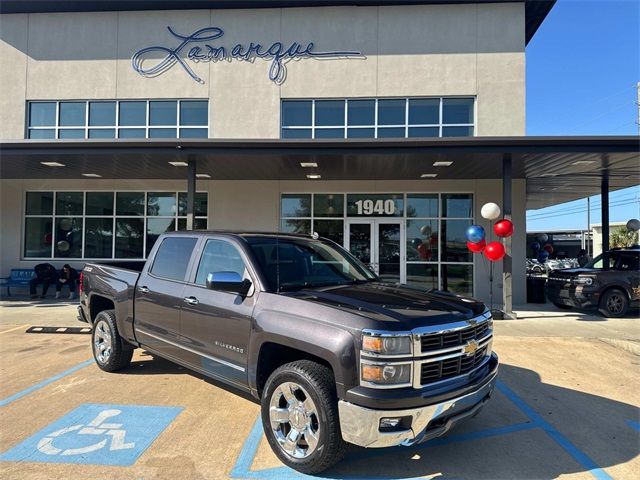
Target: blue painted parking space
[
  {"x": 96, "y": 434},
  {"x": 242, "y": 468}
]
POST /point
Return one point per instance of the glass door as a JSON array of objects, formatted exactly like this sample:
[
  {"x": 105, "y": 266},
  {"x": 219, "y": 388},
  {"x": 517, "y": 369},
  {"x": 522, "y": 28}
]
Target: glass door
[{"x": 378, "y": 243}]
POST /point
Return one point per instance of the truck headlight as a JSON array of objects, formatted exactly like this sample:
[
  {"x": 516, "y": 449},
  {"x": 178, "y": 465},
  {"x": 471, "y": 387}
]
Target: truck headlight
[
  {"x": 386, "y": 344},
  {"x": 386, "y": 374},
  {"x": 583, "y": 281}
]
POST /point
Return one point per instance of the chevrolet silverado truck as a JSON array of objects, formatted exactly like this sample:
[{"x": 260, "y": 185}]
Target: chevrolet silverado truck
[
  {"x": 610, "y": 282},
  {"x": 332, "y": 354}
]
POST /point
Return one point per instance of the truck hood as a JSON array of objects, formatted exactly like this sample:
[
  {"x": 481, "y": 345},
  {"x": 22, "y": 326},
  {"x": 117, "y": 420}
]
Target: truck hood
[{"x": 394, "y": 303}]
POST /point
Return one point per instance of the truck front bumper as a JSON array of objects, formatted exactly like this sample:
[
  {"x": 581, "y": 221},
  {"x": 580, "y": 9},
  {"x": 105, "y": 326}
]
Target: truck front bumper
[{"x": 364, "y": 427}]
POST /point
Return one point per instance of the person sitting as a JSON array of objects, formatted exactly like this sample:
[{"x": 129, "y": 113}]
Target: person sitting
[
  {"x": 46, "y": 274},
  {"x": 583, "y": 257},
  {"x": 68, "y": 276}
]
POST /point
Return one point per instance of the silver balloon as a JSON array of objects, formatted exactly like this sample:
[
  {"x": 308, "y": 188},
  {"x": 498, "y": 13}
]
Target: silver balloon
[
  {"x": 63, "y": 246},
  {"x": 65, "y": 224},
  {"x": 633, "y": 225},
  {"x": 543, "y": 237},
  {"x": 425, "y": 230}
]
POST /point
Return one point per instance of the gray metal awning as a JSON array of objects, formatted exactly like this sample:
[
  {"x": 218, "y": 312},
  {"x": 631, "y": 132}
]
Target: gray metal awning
[{"x": 557, "y": 169}]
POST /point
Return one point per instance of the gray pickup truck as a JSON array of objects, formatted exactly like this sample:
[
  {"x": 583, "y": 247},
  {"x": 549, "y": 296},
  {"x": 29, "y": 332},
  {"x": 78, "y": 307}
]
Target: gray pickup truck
[{"x": 334, "y": 355}]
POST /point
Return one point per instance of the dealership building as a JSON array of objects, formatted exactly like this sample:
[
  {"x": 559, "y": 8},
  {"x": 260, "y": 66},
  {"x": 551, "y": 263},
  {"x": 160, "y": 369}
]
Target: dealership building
[{"x": 383, "y": 125}]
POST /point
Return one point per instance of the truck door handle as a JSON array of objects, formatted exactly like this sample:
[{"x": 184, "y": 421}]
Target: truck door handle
[
  {"x": 191, "y": 300},
  {"x": 143, "y": 289}
]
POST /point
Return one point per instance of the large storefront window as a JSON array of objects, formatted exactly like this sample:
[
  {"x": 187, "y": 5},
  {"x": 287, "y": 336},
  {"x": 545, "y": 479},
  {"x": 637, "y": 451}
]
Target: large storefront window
[
  {"x": 118, "y": 119},
  {"x": 378, "y": 118},
  {"x": 414, "y": 238},
  {"x": 104, "y": 225}
]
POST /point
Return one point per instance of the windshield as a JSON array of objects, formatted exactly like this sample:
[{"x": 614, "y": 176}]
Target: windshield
[{"x": 291, "y": 263}]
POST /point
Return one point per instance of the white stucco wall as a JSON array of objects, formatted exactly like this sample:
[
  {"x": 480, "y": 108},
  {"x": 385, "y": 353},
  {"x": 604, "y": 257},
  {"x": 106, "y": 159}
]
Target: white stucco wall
[{"x": 424, "y": 50}]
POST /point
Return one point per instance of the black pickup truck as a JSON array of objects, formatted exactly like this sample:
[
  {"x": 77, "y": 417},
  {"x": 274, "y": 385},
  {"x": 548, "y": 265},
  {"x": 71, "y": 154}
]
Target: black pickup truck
[{"x": 333, "y": 354}]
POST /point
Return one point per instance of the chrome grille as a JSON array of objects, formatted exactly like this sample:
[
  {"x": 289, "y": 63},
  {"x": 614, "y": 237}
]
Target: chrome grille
[
  {"x": 453, "y": 339},
  {"x": 451, "y": 367}
]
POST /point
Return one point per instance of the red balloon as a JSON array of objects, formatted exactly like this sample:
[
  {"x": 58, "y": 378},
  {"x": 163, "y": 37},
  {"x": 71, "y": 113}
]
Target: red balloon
[
  {"x": 503, "y": 228},
  {"x": 549, "y": 248},
  {"x": 494, "y": 251},
  {"x": 476, "y": 247}
]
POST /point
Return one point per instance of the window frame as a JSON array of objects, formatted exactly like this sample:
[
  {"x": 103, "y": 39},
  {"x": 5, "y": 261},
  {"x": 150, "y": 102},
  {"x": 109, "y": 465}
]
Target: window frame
[
  {"x": 57, "y": 128},
  {"x": 441, "y": 125},
  {"x": 403, "y": 221},
  {"x": 114, "y": 217}
]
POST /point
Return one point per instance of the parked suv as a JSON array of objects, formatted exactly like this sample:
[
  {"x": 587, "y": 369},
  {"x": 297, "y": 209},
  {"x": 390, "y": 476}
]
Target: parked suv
[{"x": 610, "y": 282}]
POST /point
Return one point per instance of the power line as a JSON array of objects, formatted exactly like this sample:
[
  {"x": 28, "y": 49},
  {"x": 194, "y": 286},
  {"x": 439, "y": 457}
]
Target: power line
[
  {"x": 579, "y": 208},
  {"x": 583, "y": 210}
]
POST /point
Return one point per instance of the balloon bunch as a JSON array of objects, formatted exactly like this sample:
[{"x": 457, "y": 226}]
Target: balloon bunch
[
  {"x": 542, "y": 253},
  {"x": 475, "y": 234}
]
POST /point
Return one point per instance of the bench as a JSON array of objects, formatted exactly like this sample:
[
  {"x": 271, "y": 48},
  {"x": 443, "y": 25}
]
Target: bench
[{"x": 19, "y": 277}]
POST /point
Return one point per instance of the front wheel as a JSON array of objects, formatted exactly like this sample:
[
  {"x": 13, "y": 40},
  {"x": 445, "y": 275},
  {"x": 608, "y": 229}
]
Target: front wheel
[
  {"x": 110, "y": 351},
  {"x": 300, "y": 416},
  {"x": 614, "y": 303}
]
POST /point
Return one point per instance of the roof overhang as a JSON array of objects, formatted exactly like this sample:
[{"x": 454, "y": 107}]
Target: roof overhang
[
  {"x": 535, "y": 10},
  {"x": 557, "y": 169}
]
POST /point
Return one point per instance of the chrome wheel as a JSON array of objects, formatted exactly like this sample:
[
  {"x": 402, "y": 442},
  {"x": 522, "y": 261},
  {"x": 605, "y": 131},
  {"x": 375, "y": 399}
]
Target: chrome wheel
[
  {"x": 615, "y": 304},
  {"x": 294, "y": 420},
  {"x": 102, "y": 342}
]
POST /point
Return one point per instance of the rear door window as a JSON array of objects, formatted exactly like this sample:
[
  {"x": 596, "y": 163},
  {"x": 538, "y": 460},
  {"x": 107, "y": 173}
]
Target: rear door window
[
  {"x": 629, "y": 262},
  {"x": 172, "y": 258}
]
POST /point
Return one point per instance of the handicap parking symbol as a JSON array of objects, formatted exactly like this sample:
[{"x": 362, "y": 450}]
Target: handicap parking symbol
[{"x": 96, "y": 434}]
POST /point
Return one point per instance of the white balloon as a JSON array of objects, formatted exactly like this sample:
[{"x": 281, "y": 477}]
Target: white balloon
[
  {"x": 543, "y": 237},
  {"x": 63, "y": 246},
  {"x": 490, "y": 211},
  {"x": 633, "y": 225}
]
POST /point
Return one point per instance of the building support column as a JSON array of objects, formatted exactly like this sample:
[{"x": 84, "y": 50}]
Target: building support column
[
  {"x": 604, "y": 192},
  {"x": 191, "y": 192},
  {"x": 507, "y": 261}
]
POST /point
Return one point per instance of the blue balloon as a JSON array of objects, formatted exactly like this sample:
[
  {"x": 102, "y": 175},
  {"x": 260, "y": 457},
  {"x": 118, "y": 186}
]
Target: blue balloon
[
  {"x": 475, "y": 233},
  {"x": 535, "y": 246},
  {"x": 543, "y": 256},
  {"x": 416, "y": 242}
]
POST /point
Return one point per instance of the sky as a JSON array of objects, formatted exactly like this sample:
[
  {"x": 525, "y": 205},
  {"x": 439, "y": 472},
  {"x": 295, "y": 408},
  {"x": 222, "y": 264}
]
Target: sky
[{"x": 583, "y": 65}]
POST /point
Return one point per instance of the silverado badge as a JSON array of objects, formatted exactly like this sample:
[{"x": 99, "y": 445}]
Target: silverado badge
[{"x": 471, "y": 347}]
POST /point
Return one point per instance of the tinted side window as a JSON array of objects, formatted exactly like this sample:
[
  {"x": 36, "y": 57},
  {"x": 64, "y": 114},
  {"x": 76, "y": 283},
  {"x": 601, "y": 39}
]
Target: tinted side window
[
  {"x": 172, "y": 258},
  {"x": 629, "y": 262},
  {"x": 219, "y": 256}
]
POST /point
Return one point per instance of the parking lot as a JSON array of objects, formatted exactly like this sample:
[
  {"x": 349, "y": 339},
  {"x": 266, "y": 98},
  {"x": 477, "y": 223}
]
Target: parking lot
[{"x": 566, "y": 405}]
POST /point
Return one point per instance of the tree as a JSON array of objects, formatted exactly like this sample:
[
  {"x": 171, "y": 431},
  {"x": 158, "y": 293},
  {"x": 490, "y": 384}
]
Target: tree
[{"x": 622, "y": 238}]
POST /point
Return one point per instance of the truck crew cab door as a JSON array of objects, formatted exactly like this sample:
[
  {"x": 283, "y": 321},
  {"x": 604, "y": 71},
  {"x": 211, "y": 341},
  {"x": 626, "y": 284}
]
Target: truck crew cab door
[
  {"x": 159, "y": 295},
  {"x": 215, "y": 325}
]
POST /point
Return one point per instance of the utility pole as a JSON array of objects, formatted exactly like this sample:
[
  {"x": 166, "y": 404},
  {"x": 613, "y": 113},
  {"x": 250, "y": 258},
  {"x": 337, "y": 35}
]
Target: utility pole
[{"x": 589, "y": 226}]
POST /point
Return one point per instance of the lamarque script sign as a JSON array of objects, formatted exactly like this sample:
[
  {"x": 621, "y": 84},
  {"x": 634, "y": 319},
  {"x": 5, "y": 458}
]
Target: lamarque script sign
[{"x": 201, "y": 50}]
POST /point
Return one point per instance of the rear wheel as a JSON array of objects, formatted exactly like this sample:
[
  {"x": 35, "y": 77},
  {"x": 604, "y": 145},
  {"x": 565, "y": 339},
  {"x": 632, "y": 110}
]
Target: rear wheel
[
  {"x": 614, "y": 303},
  {"x": 110, "y": 351},
  {"x": 300, "y": 416}
]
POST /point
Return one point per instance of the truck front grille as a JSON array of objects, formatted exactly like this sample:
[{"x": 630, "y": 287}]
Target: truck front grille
[
  {"x": 451, "y": 367},
  {"x": 458, "y": 338}
]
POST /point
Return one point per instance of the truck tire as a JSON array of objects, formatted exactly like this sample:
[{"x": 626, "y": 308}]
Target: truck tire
[
  {"x": 300, "y": 416},
  {"x": 614, "y": 303},
  {"x": 110, "y": 351}
]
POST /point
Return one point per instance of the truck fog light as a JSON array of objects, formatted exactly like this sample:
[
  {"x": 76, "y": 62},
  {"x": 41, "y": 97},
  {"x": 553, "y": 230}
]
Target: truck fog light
[{"x": 389, "y": 422}]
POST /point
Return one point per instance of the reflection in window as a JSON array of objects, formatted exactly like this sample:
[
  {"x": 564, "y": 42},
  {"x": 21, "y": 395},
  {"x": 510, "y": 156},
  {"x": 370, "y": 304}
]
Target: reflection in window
[
  {"x": 331, "y": 229},
  {"x": 458, "y": 279},
  {"x": 118, "y": 119},
  {"x": 302, "y": 227},
  {"x": 294, "y": 205},
  {"x": 219, "y": 256},
  {"x": 378, "y": 118}
]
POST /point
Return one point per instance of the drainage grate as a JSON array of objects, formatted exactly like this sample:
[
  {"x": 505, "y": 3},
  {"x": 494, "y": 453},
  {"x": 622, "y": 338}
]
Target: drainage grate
[{"x": 76, "y": 330}]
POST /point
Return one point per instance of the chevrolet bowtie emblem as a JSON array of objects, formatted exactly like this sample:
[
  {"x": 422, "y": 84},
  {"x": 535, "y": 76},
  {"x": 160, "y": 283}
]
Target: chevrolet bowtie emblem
[{"x": 471, "y": 347}]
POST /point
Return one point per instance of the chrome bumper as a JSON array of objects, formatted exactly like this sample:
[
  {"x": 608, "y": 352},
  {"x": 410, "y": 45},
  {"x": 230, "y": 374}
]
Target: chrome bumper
[{"x": 361, "y": 426}]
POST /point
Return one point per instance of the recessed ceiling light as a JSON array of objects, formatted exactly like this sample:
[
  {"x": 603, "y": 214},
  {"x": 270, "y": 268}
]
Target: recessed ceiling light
[
  {"x": 442, "y": 164},
  {"x": 179, "y": 164},
  {"x": 91, "y": 175},
  {"x": 53, "y": 164},
  {"x": 308, "y": 164},
  {"x": 429, "y": 175},
  {"x": 203, "y": 175},
  {"x": 313, "y": 177},
  {"x": 583, "y": 162}
]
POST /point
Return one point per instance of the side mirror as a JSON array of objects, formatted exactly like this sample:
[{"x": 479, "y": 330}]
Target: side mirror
[{"x": 230, "y": 282}]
